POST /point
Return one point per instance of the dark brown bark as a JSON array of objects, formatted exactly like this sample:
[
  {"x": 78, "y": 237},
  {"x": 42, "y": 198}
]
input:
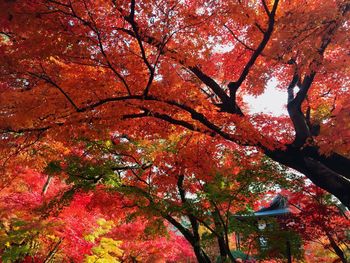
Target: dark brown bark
[
  {"x": 315, "y": 170},
  {"x": 337, "y": 249},
  {"x": 223, "y": 249},
  {"x": 288, "y": 252},
  {"x": 302, "y": 131},
  {"x": 195, "y": 239},
  {"x": 222, "y": 240}
]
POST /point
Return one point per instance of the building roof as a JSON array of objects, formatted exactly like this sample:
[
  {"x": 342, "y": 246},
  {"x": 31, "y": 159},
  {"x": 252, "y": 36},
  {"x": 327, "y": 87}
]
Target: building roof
[{"x": 278, "y": 206}]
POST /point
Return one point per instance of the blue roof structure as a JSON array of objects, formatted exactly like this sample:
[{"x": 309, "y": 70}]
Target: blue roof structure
[
  {"x": 277, "y": 207},
  {"x": 275, "y": 212}
]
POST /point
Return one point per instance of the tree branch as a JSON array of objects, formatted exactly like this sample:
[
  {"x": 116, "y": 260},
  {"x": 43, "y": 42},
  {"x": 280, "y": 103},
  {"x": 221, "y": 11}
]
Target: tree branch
[
  {"x": 302, "y": 129},
  {"x": 46, "y": 78},
  {"x": 135, "y": 28},
  {"x": 238, "y": 40},
  {"x": 94, "y": 28},
  {"x": 211, "y": 83},
  {"x": 233, "y": 86},
  {"x": 169, "y": 119}
]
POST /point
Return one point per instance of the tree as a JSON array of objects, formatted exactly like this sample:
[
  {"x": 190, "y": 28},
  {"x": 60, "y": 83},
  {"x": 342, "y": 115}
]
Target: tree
[
  {"x": 91, "y": 67},
  {"x": 83, "y": 226},
  {"x": 186, "y": 180},
  {"x": 319, "y": 219}
]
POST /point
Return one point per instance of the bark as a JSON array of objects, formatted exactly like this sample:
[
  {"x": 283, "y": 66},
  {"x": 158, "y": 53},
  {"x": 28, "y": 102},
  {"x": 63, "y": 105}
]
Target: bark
[
  {"x": 288, "y": 252},
  {"x": 315, "y": 169},
  {"x": 222, "y": 248},
  {"x": 222, "y": 236},
  {"x": 200, "y": 254},
  {"x": 194, "y": 237},
  {"x": 224, "y": 251},
  {"x": 196, "y": 243},
  {"x": 46, "y": 185},
  {"x": 337, "y": 249},
  {"x": 53, "y": 251},
  {"x": 302, "y": 131},
  {"x": 335, "y": 162}
]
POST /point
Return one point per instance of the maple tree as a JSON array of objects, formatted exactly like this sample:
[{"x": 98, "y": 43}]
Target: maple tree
[
  {"x": 79, "y": 66},
  {"x": 316, "y": 227},
  {"x": 82, "y": 230},
  {"x": 319, "y": 219},
  {"x": 77, "y": 74},
  {"x": 91, "y": 225},
  {"x": 191, "y": 183},
  {"x": 204, "y": 193}
]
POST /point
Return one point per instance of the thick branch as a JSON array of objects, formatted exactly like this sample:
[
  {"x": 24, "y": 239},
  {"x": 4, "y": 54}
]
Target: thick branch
[
  {"x": 169, "y": 119},
  {"x": 265, "y": 7},
  {"x": 334, "y": 161},
  {"x": 24, "y": 130},
  {"x": 180, "y": 188},
  {"x": 336, "y": 248},
  {"x": 302, "y": 131},
  {"x": 187, "y": 234},
  {"x": 315, "y": 170},
  {"x": 212, "y": 84},
  {"x": 328, "y": 179}
]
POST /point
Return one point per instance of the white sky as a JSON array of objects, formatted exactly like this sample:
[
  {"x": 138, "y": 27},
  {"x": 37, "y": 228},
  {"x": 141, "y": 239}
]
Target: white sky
[{"x": 271, "y": 101}]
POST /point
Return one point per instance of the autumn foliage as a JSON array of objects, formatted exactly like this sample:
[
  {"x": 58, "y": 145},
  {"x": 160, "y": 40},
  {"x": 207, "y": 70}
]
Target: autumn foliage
[{"x": 126, "y": 134}]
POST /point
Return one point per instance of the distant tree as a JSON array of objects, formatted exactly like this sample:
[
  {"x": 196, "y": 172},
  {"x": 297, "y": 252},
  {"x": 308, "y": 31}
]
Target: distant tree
[{"x": 320, "y": 219}]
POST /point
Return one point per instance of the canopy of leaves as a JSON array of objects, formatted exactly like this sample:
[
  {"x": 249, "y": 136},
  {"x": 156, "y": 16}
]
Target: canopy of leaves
[{"x": 123, "y": 120}]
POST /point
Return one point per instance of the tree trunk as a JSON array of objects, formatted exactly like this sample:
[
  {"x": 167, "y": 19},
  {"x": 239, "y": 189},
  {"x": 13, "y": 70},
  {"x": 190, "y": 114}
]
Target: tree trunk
[
  {"x": 222, "y": 237},
  {"x": 314, "y": 167},
  {"x": 288, "y": 252},
  {"x": 222, "y": 248},
  {"x": 337, "y": 249},
  {"x": 194, "y": 237},
  {"x": 200, "y": 254}
]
